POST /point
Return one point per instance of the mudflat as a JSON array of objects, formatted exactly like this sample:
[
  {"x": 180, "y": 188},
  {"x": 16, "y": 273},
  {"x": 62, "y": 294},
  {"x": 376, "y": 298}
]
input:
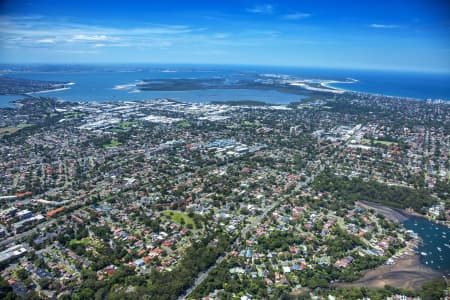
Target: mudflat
[
  {"x": 395, "y": 215},
  {"x": 407, "y": 272}
]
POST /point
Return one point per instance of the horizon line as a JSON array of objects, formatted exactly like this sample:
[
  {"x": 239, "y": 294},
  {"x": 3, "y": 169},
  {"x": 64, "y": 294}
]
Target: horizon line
[{"x": 355, "y": 68}]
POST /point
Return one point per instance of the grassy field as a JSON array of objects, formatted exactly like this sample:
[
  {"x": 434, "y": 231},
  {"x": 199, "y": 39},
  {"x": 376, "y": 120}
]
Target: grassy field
[
  {"x": 11, "y": 130},
  {"x": 184, "y": 124},
  {"x": 7, "y": 130},
  {"x": 367, "y": 141},
  {"x": 249, "y": 124},
  {"x": 124, "y": 125},
  {"x": 112, "y": 144},
  {"x": 73, "y": 114},
  {"x": 177, "y": 216},
  {"x": 85, "y": 242}
]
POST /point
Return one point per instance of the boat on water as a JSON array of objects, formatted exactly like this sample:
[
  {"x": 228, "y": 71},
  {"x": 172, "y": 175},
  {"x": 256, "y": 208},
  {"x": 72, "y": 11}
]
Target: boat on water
[
  {"x": 439, "y": 249},
  {"x": 423, "y": 253},
  {"x": 447, "y": 245}
]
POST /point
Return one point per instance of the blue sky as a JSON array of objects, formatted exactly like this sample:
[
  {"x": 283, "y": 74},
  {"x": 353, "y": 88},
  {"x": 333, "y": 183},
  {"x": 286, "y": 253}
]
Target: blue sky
[{"x": 406, "y": 34}]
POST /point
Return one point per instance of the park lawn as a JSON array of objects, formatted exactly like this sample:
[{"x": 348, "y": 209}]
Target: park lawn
[
  {"x": 7, "y": 130},
  {"x": 249, "y": 124},
  {"x": 367, "y": 141},
  {"x": 112, "y": 144},
  {"x": 24, "y": 125},
  {"x": 124, "y": 125},
  {"x": 85, "y": 242},
  {"x": 177, "y": 216},
  {"x": 183, "y": 124},
  {"x": 11, "y": 130},
  {"x": 341, "y": 222},
  {"x": 234, "y": 126},
  {"x": 73, "y": 114}
]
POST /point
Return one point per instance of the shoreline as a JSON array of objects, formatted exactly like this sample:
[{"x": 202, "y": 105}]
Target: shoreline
[
  {"x": 30, "y": 94},
  {"x": 392, "y": 214},
  {"x": 304, "y": 84},
  {"x": 326, "y": 84},
  {"x": 397, "y": 214},
  {"x": 378, "y": 94},
  {"x": 406, "y": 272},
  {"x": 63, "y": 88},
  {"x": 46, "y": 91},
  {"x": 128, "y": 86},
  {"x": 419, "y": 215}
]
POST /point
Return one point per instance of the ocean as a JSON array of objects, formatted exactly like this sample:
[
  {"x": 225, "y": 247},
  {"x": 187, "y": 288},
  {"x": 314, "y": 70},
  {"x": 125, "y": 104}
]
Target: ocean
[
  {"x": 99, "y": 85},
  {"x": 401, "y": 84}
]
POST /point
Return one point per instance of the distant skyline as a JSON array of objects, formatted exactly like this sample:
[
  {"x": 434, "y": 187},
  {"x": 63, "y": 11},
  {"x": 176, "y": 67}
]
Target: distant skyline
[{"x": 400, "y": 35}]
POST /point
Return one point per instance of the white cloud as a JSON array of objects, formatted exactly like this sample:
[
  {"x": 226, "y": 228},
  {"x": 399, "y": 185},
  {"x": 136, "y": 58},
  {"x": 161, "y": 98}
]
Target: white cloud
[
  {"x": 69, "y": 51},
  {"x": 165, "y": 29},
  {"x": 22, "y": 17},
  {"x": 34, "y": 26},
  {"x": 45, "y": 41},
  {"x": 83, "y": 37},
  {"x": 63, "y": 36},
  {"x": 221, "y": 35},
  {"x": 261, "y": 33},
  {"x": 296, "y": 16},
  {"x": 383, "y": 26},
  {"x": 165, "y": 44},
  {"x": 37, "y": 31},
  {"x": 261, "y": 9}
]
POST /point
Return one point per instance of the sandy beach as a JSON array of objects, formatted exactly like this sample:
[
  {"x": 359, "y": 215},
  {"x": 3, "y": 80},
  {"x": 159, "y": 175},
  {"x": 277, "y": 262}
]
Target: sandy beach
[
  {"x": 326, "y": 84},
  {"x": 306, "y": 86},
  {"x": 46, "y": 91},
  {"x": 128, "y": 86},
  {"x": 124, "y": 86}
]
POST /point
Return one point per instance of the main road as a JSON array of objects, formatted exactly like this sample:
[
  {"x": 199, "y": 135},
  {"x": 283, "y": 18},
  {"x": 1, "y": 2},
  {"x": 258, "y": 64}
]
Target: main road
[{"x": 38, "y": 228}]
